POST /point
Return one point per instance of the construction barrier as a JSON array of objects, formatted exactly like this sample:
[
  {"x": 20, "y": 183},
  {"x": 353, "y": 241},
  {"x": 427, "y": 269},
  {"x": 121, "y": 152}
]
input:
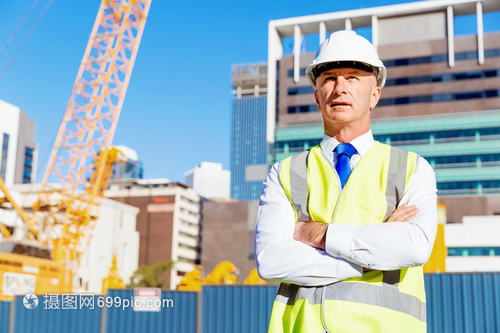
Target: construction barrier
[
  {"x": 455, "y": 303},
  {"x": 463, "y": 302},
  {"x": 4, "y": 316},
  {"x": 242, "y": 309}
]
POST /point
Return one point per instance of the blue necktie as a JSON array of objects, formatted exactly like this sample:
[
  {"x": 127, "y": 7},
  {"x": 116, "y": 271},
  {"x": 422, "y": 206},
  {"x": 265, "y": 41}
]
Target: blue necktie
[{"x": 344, "y": 153}]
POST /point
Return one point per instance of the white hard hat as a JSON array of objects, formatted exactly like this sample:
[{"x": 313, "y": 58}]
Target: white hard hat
[{"x": 347, "y": 46}]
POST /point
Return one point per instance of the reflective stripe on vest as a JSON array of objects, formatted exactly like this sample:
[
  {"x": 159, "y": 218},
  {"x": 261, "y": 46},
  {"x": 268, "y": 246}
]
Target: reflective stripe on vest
[
  {"x": 298, "y": 182},
  {"x": 389, "y": 299},
  {"x": 383, "y": 296}
]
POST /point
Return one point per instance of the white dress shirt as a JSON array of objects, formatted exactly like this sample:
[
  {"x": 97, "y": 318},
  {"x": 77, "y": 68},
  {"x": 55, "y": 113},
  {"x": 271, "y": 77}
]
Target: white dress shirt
[{"x": 349, "y": 248}]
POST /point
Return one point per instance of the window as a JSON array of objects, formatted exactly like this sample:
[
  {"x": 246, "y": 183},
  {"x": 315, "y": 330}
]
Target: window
[
  {"x": 300, "y": 90},
  {"x": 447, "y": 97},
  {"x": 441, "y": 78},
  {"x": 439, "y": 58},
  {"x": 28, "y": 165},
  {"x": 191, "y": 261},
  {"x": 188, "y": 235},
  {"x": 5, "y": 153},
  {"x": 474, "y": 251},
  {"x": 192, "y": 202},
  {"x": 302, "y": 108},
  {"x": 185, "y": 246},
  {"x": 465, "y": 161},
  {"x": 439, "y": 136},
  {"x": 469, "y": 187},
  {"x": 302, "y": 72},
  {"x": 188, "y": 223},
  {"x": 280, "y": 146}
]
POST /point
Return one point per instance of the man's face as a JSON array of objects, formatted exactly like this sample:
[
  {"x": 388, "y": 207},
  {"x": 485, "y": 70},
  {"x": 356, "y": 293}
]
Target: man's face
[{"x": 345, "y": 96}]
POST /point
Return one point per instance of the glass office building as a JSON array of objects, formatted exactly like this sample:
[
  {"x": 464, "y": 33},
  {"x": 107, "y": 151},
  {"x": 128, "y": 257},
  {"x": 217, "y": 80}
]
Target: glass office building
[{"x": 249, "y": 165}]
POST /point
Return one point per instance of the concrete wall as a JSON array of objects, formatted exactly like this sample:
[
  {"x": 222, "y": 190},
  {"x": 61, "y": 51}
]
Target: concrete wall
[
  {"x": 412, "y": 28},
  {"x": 228, "y": 234},
  {"x": 459, "y": 206}
]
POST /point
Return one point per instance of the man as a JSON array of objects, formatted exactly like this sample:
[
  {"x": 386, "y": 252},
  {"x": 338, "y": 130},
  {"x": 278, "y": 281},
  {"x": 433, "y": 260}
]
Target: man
[{"x": 347, "y": 246}]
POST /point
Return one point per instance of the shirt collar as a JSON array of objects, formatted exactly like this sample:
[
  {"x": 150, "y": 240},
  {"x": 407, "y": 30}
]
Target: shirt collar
[{"x": 362, "y": 143}]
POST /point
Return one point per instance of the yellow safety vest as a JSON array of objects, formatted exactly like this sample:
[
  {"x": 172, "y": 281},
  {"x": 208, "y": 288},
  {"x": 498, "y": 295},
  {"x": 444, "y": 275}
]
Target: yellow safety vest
[{"x": 379, "y": 301}]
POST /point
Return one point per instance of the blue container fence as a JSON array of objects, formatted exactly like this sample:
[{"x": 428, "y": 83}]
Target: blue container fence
[
  {"x": 242, "y": 309},
  {"x": 463, "y": 303},
  {"x": 4, "y": 316},
  {"x": 56, "y": 313},
  {"x": 456, "y": 303}
]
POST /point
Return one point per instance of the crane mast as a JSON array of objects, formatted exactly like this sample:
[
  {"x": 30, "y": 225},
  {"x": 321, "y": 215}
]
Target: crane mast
[{"x": 81, "y": 161}]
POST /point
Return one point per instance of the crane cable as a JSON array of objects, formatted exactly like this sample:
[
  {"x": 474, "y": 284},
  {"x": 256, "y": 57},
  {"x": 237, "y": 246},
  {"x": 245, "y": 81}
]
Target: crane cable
[
  {"x": 20, "y": 25},
  {"x": 11, "y": 38},
  {"x": 39, "y": 18}
]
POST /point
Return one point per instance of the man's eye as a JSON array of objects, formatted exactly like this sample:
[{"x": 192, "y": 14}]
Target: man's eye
[{"x": 329, "y": 78}]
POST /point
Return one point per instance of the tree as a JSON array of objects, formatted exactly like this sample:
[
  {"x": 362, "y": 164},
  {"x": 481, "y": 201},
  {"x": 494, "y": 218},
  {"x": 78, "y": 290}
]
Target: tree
[{"x": 151, "y": 276}]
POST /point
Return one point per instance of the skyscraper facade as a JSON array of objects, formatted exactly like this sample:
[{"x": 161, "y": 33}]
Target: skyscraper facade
[
  {"x": 249, "y": 160},
  {"x": 441, "y": 99}
]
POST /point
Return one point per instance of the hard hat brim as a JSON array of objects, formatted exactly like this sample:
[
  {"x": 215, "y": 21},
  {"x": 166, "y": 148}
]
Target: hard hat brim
[{"x": 314, "y": 71}]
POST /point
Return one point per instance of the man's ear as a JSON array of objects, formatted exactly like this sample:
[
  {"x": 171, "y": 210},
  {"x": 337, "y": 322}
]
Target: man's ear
[
  {"x": 375, "y": 97},
  {"x": 317, "y": 99}
]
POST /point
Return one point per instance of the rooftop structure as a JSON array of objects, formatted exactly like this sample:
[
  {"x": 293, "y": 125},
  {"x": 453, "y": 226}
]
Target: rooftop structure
[{"x": 209, "y": 180}]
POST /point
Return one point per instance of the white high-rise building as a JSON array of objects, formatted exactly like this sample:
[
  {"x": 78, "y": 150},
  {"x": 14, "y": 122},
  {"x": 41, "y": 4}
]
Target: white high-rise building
[
  {"x": 209, "y": 180},
  {"x": 17, "y": 145}
]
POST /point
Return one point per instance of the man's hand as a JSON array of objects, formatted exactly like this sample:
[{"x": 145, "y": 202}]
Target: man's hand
[
  {"x": 403, "y": 213},
  {"x": 311, "y": 233}
]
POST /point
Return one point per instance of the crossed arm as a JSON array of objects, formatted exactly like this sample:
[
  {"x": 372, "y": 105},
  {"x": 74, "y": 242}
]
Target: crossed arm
[
  {"x": 313, "y": 253},
  {"x": 314, "y": 233}
]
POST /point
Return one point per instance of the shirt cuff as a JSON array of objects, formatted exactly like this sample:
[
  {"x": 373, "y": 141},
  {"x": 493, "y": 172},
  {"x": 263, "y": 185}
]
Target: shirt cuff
[{"x": 338, "y": 240}]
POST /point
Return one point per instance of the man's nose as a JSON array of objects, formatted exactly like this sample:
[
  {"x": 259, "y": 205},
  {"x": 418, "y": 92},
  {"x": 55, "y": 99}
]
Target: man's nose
[{"x": 340, "y": 86}]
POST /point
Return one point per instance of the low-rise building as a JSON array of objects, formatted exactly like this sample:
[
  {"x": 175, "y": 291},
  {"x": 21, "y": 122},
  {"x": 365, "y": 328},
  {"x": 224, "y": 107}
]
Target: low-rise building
[
  {"x": 474, "y": 245},
  {"x": 168, "y": 222}
]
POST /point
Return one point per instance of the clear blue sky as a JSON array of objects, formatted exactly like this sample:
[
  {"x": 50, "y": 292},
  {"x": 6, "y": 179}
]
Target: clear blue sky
[{"x": 178, "y": 106}]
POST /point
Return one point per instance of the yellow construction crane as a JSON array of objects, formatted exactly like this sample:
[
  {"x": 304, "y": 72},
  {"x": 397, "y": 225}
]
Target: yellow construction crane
[{"x": 81, "y": 162}]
